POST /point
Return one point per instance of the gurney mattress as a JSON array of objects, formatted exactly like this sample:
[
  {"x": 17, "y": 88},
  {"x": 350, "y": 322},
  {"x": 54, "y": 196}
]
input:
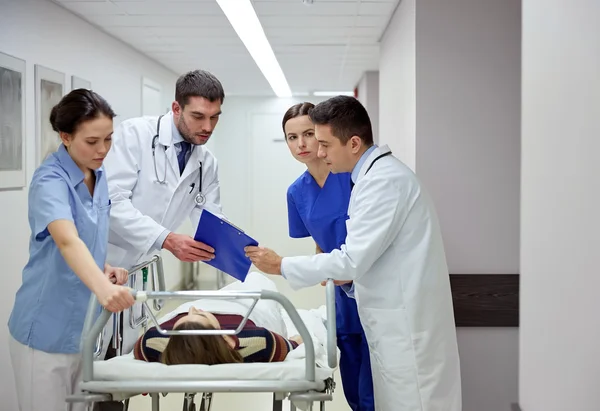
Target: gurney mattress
[{"x": 127, "y": 368}]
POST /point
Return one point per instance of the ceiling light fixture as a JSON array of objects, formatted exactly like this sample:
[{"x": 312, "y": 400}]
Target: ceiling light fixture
[
  {"x": 332, "y": 93},
  {"x": 244, "y": 21}
]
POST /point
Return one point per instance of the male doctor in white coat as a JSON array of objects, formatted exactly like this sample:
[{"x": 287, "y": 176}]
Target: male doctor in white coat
[
  {"x": 159, "y": 173},
  {"x": 395, "y": 261}
]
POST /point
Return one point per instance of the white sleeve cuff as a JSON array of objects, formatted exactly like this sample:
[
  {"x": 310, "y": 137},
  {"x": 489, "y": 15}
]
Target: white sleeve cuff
[
  {"x": 348, "y": 289},
  {"x": 158, "y": 244}
]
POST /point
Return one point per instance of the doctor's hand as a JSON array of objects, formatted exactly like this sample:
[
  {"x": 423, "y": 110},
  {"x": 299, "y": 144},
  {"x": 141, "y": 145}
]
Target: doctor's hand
[
  {"x": 265, "y": 259},
  {"x": 116, "y": 275},
  {"x": 186, "y": 249}
]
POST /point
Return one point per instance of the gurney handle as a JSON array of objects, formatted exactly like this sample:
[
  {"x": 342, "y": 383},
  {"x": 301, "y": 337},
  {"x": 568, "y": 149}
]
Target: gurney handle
[
  {"x": 158, "y": 276},
  {"x": 158, "y": 284},
  {"x": 331, "y": 324},
  {"x": 142, "y": 297}
]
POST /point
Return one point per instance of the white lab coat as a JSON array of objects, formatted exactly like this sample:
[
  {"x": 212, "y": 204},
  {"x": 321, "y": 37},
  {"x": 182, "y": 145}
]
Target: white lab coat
[
  {"x": 395, "y": 256},
  {"x": 142, "y": 208}
]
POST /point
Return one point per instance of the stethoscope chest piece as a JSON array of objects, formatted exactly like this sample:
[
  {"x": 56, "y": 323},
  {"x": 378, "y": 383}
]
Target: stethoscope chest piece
[{"x": 200, "y": 199}]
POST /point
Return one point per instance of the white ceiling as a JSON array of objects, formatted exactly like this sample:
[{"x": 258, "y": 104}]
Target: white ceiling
[{"x": 324, "y": 46}]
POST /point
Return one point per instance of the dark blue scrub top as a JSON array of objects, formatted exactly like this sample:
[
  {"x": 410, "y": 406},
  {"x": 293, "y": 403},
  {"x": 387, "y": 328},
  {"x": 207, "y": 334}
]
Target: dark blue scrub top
[{"x": 321, "y": 213}]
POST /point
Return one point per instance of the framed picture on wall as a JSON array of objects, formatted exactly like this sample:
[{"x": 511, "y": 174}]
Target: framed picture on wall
[
  {"x": 12, "y": 123},
  {"x": 49, "y": 89},
  {"x": 78, "y": 82}
]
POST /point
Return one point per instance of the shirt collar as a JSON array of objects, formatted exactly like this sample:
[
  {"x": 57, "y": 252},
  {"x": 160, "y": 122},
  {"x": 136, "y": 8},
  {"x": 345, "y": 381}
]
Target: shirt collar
[
  {"x": 361, "y": 161},
  {"x": 175, "y": 132},
  {"x": 72, "y": 169}
]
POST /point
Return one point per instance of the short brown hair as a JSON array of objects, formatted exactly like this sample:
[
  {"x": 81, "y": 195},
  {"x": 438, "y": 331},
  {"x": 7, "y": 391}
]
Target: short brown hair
[
  {"x": 198, "y": 83},
  {"x": 297, "y": 110},
  {"x": 346, "y": 117},
  {"x": 198, "y": 349}
]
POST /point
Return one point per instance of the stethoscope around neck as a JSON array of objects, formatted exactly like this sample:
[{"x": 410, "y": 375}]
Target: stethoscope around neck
[{"x": 199, "y": 199}]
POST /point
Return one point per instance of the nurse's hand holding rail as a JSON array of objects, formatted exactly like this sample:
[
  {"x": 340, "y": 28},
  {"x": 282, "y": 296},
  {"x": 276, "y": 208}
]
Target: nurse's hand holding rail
[
  {"x": 394, "y": 255},
  {"x": 68, "y": 215}
]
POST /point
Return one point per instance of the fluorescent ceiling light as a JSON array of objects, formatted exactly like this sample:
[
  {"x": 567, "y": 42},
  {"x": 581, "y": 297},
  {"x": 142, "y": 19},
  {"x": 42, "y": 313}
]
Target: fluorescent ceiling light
[
  {"x": 332, "y": 93},
  {"x": 244, "y": 20}
]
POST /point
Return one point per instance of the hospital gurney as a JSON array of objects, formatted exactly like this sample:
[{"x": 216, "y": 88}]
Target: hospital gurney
[{"x": 123, "y": 377}]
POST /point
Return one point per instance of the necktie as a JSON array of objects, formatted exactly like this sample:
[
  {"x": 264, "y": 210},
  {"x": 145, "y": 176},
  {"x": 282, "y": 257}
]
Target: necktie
[
  {"x": 182, "y": 156},
  {"x": 351, "y": 185}
]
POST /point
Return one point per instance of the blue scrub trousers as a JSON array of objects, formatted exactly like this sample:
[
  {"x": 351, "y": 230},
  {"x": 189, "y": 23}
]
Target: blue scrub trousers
[{"x": 355, "y": 362}]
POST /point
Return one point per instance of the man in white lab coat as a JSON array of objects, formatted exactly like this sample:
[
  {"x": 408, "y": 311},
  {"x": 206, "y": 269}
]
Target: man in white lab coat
[
  {"x": 159, "y": 173},
  {"x": 393, "y": 262}
]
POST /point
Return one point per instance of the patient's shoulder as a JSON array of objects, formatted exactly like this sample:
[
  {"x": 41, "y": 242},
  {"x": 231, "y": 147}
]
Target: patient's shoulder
[
  {"x": 152, "y": 343},
  {"x": 262, "y": 345}
]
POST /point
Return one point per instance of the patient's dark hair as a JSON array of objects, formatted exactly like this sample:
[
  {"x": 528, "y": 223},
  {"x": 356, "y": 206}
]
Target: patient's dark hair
[{"x": 198, "y": 349}]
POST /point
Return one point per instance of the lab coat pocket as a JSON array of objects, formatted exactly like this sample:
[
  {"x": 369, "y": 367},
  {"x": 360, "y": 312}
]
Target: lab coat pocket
[{"x": 390, "y": 343}]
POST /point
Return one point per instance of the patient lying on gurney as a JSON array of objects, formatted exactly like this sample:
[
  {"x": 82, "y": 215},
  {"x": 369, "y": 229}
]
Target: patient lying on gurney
[
  {"x": 252, "y": 344},
  {"x": 261, "y": 340}
]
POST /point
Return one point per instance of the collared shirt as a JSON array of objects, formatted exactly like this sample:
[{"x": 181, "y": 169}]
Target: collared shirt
[
  {"x": 361, "y": 161},
  {"x": 177, "y": 138},
  {"x": 51, "y": 304},
  {"x": 349, "y": 289}
]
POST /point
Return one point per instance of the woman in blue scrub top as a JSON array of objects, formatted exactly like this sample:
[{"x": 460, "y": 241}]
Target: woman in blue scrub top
[
  {"x": 317, "y": 207},
  {"x": 68, "y": 216}
]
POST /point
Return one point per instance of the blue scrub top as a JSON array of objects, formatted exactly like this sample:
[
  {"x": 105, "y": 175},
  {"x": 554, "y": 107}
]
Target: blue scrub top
[
  {"x": 51, "y": 304},
  {"x": 321, "y": 213}
]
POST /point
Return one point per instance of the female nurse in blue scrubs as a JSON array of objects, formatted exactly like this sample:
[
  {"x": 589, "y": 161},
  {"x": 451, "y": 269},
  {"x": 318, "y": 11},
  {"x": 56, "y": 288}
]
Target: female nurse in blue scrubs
[
  {"x": 68, "y": 216},
  {"x": 317, "y": 207}
]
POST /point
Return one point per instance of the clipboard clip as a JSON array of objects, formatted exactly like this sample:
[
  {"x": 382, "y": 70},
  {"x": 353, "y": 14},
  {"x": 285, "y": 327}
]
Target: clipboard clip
[{"x": 234, "y": 226}]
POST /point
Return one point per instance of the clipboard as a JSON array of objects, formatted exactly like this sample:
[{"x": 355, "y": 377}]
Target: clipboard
[{"x": 228, "y": 241}]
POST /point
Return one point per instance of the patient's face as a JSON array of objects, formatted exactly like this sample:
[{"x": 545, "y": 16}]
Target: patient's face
[
  {"x": 203, "y": 317},
  {"x": 300, "y": 138}
]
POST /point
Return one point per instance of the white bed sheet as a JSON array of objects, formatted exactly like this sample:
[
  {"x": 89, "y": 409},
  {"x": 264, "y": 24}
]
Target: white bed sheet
[{"x": 127, "y": 367}]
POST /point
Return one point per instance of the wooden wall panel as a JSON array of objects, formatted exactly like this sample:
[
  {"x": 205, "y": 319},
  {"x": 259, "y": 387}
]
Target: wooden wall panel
[{"x": 485, "y": 300}]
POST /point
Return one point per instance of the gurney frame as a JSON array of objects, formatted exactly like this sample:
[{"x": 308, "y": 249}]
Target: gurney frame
[{"x": 308, "y": 390}]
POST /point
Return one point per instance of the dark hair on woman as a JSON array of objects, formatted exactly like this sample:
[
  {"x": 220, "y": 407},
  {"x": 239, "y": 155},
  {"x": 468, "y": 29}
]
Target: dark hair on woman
[
  {"x": 78, "y": 106},
  {"x": 297, "y": 110},
  {"x": 346, "y": 116},
  {"x": 198, "y": 349}
]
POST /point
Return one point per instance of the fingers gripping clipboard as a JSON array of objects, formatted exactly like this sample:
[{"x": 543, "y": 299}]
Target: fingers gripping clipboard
[{"x": 228, "y": 241}]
